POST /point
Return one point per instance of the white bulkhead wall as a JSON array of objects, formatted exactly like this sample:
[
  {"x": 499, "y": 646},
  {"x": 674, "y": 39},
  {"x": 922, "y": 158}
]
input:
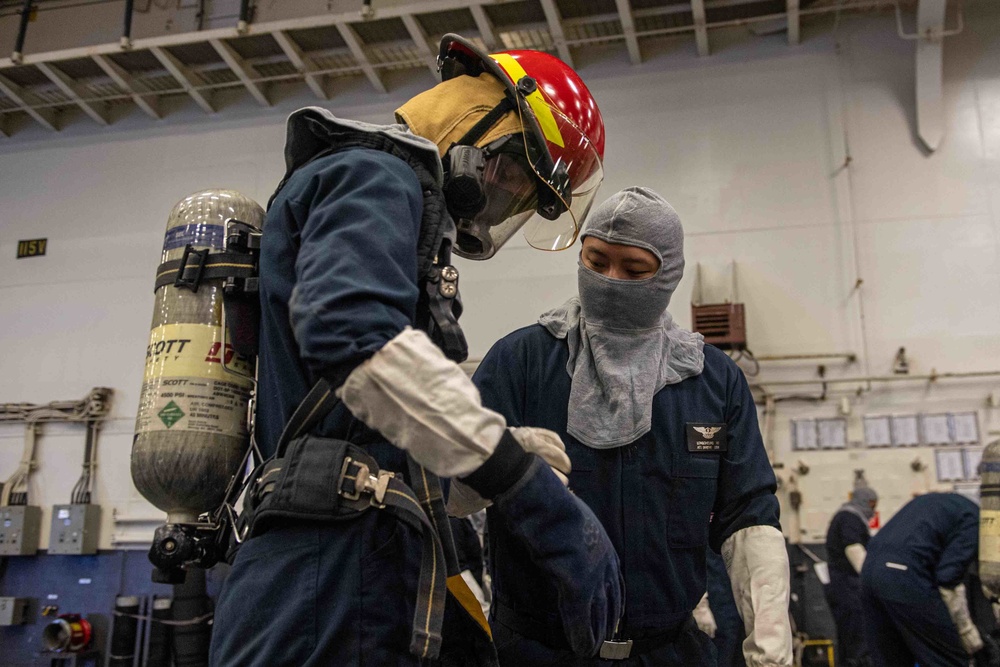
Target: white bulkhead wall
[{"x": 749, "y": 146}]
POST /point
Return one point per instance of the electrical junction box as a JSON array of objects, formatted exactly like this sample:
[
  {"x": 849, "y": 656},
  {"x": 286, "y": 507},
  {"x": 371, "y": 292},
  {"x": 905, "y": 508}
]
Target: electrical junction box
[
  {"x": 74, "y": 529},
  {"x": 13, "y": 611},
  {"x": 20, "y": 528}
]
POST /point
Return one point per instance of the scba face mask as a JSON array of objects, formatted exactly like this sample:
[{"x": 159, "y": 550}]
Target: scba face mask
[{"x": 491, "y": 193}]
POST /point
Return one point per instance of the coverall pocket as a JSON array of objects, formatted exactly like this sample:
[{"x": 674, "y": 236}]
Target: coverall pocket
[
  {"x": 390, "y": 566},
  {"x": 385, "y": 539},
  {"x": 692, "y": 496}
]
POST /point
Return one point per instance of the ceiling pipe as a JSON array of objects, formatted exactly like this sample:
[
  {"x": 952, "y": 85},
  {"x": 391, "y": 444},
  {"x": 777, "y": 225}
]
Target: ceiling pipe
[
  {"x": 849, "y": 357},
  {"x": 243, "y": 25},
  {"x": 933, "y": 376},
  {"x": 22, "y": 30},
  {"x": 127, "y": 32}
]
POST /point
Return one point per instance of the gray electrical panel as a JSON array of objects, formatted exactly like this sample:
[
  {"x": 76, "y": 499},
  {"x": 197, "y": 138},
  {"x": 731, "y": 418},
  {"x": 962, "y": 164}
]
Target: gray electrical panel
[
  {"x": 74, "y": 529},
  {"x": 20, "y": 528},
  {"x": 13, "y": 611}
]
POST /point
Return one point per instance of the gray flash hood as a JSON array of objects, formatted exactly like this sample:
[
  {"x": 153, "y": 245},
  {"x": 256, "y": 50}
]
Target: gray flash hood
[{"x": 623, "y": 344}]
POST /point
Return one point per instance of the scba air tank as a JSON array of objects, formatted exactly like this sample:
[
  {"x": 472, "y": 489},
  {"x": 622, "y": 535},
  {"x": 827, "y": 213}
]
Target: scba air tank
[
  {"x": 989, "y": 519},
  {"x": 191, "y": 432}
]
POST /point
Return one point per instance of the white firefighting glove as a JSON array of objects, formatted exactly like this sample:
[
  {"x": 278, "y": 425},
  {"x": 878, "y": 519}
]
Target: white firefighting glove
[
  {"x": 463, "y": 501},
  {"x": 704, "y": 617},
  {"x": 958, "y": 609},
  {"x": 856, "y": 555},
  {"x": 757, "y": 564},
  {"x": 422, "y": 402},
  {"x": 548, "y": 445}
]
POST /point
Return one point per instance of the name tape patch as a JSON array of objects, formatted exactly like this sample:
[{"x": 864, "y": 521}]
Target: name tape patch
[{"x": 706, "y": 437}]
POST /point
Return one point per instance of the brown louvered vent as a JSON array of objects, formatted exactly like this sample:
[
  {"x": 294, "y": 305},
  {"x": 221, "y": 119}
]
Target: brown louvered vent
[{"x": 722, "y": 324}]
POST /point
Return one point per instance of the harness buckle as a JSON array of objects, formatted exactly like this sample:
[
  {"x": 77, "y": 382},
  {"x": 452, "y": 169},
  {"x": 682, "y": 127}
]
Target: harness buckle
[
  {"x": 198, "y": 267},
  {"x": 616, "y": 650},
  {"x": 363, "y": 481}
]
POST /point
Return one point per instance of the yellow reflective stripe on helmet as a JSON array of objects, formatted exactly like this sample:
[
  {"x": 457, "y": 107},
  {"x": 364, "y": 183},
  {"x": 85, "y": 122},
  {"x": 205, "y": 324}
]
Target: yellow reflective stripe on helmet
[{"x": 543, "y": 114}]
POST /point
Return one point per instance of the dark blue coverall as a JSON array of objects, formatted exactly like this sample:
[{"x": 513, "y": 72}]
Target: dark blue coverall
[
  {"x": 330, "y": 594},
  {"x": 338, "y": 281},
  {"x": 928, "y": 544},
  {"x": 660, "y": 503},
  {"x": 843, "y": 593}
]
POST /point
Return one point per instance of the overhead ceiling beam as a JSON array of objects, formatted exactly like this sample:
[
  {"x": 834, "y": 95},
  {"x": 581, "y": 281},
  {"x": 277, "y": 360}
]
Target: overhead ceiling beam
[
  {"x": 792, "y": 7},
  {"x": 700, "y": 27},
  {"x": 354, "y": 44},
  {"x": 75, "y": 92},
  {"x": 145, "y": 99},
  {"x": 185, "y": 77},
  {"x": 485, "y": 27},
  {"x": 27, "y": 103},
  {"x": 419, "y": 38},
  {"x": 555, "y": 28},
  {"x": 628, "y": 28},
  {"x": 302, "y": 62},
  {"x": 327, "y": 20},
  {"x": 244, "y": 70}
]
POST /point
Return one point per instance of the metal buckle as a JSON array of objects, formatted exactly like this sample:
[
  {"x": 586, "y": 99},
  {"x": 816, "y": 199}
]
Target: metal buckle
[
  {"x": 360, "y": 479},
  {"x": 199, "y": 268},
  {"x": 364, "y": 482},
  {"x": 616, "y": 650}
]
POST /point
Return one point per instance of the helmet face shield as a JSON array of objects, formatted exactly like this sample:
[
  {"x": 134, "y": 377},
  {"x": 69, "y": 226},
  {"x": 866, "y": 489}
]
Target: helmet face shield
[{"x": 567, "y": 186}]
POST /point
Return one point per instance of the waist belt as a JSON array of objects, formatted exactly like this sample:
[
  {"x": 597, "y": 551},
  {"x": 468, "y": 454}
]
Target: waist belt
[
  {"x": 553, "y": 635},
  {"x": 325, "y": 479}
]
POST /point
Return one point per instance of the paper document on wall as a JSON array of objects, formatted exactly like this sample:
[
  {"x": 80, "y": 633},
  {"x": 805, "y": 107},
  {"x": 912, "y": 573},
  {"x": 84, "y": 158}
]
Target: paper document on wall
[
  {"x": 905, "y": 431},
  {"x": 877, "y": 433},
  {"x": 950, "y": 465}
]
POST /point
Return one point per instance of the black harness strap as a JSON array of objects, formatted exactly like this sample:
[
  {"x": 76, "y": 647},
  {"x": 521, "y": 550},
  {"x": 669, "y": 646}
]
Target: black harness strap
[
  {"x": 361, "y": 486},
  {"x": 427, "y": 488},
  {"x": 314, "y": 407},
  {"x": 428, "y": 615},
  {"x": 198, "y": 265},
  {"x": 486, "y": 122}
]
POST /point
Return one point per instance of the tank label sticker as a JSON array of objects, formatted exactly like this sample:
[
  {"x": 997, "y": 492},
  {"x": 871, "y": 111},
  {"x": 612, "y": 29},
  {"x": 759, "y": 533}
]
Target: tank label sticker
[
  {"x": 989, "y": 534},
  {"x": 199, "y": 235},
  {"x": 187, "y": 387},
  {"x": 193, "y": 404},
  {"x": 194, "y": 350}
]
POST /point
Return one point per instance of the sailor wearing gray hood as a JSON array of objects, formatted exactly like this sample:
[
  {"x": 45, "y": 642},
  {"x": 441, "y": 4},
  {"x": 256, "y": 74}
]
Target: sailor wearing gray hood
[
  {"x": 846, "y": 544},
  {"x": 662, "y": 434}
]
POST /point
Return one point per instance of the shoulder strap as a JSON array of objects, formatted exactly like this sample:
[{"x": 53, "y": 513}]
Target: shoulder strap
[{"x": 314, "y": 407}]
